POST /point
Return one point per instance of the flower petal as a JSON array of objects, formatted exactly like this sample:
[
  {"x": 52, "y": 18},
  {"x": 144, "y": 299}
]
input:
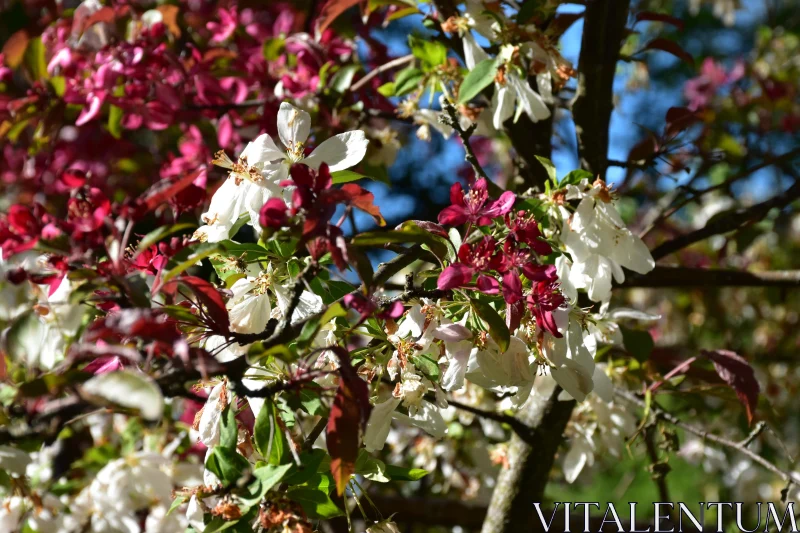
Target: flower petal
[
  {"x": 340, "y": 151},
  {"x": 456, "y": 275},
  {"x": 262, "y": 150},
  {"x": 294, "y": 125}
]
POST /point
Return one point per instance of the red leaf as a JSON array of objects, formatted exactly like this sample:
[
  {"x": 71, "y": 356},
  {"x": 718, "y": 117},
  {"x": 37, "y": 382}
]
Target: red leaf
[
  {"x": 14, "y": 49},
  {"x": 738, "y": 374},
  {"x": 209, "y": 297},
  {"x": 660, "y": 17},
  {"x": 643, "y": 150},
  {"x": 432, "y": 227},
  {"x": 331, "y": 10},
  {"x": 671, "y": 47},
  {"x": 169, "y": 16},
  {"x": 363, "y": 199},
  {"x": 678, "y": 119},
  {"x": 164, "y": 190},
  {"x": 348, "y": 418},
  {"x": 104, "y": 14}
]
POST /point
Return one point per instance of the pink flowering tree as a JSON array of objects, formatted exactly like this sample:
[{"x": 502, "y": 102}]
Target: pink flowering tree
[{"x": 224, "y": 306}]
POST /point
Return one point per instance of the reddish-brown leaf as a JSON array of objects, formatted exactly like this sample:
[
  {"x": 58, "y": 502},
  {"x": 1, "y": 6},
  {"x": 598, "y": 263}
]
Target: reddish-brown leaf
[
  {"x": 671, "y": 47},
  {"x": 659, "y": 17},
  {"x": 14, "y": 49},
  {"x": 738, "y": 374},
  {"x": 679, "y": 119},
  {"x": 363, "y": 199},
  {"x": 169, "y": 16},
  {"x": 331, "y": 10},
  {"x": 209, "y": 297},
  {"x": 643, "y": 150},
  {"x": 104, "y": 14},
  {"x": 163, "y": 190},
  {"x": 348, "y": 418}
]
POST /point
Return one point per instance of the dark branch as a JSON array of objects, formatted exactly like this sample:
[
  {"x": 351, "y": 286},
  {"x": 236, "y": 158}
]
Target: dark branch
[{"x": 732, "y": 221}]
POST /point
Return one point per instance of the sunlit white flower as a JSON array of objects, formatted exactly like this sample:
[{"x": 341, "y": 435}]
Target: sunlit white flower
[
  {"x": 600, "y": 246},
  {"x": 513, "y": 95},
  {"x": 262, "y": 166}
]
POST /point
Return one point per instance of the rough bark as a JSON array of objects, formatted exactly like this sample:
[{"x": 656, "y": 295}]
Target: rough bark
[
  {"x": 603, "y": 31},
  {"x": 523, "y": 482}
]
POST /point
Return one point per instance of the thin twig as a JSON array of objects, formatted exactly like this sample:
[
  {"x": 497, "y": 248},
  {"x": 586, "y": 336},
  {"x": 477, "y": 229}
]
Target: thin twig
[
  {"x": 394, "y": 63},
  {"x": 730, "y": 222},
  {"x": 777, "y": 160},
  {"x": 740, "y": 447}
]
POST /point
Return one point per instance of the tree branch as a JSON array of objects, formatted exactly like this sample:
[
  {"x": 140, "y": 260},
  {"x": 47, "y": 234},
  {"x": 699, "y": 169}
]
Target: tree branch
[
  {"x": 732, "y": 221},
  {"x": 603, "y": 32},
  {"x": 669, "y": 276},
  {"x": 740, "y": 447}
]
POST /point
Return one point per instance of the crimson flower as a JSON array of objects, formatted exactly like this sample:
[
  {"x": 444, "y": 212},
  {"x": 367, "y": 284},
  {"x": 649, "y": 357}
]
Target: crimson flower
[
  {"x": 544, "y": 299},
  {"x": 474, "y": 206},
  {"x": 477, "y": 258},
  {"x": 527, "y": 230},
  {"x": 273, "y": 214}
]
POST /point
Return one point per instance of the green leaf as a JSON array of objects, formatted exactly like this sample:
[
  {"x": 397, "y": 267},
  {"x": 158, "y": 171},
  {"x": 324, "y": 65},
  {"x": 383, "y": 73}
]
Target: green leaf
[
  {"x": 177, "y": 502},
  {"x": 575, "y": 177},
  {"x": 427, "y": 366},
  {"x": 268, "y": 435},
  {"x": 25, "y": 339},
  {"x": 59, "y": 84},
  {"x": 115, "y": 121},
  {"x": 229, "y": 430},
  {"x": 344, "y": 78},
  {"x": 497, "y": 326},
  {"x": 371, "y": 468},
  {"x": 387, "y": 89},
  {"x": 273, "y": 48},
  {"x": 129, "y": 389},
  {"x": 266, "y": 477},
  {"x": 309, "y": 466},
  {"x": 346, "y": 176},
  {"x": 639, "y": 343},
  {"x": 227, "y": 465},
  {"x": 161, "y": 232},
  {"x": 401, "y": 473},
  {"x": 407, "y": 80},
  {"x": 549, "y": 167},
  {"x": 430, "y": 52},
  {"x": 477, "y": 80},
  {"x": 189, "y": 257},
  {"x": 315, "y": 502},
  {"x": 35, "y": 60},
  {"x": 311, "y": 400}
]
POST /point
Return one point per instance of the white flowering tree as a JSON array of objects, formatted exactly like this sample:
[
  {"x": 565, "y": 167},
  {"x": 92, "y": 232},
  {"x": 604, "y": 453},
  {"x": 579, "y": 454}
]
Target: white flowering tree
[{"x": 209, "y": 324}]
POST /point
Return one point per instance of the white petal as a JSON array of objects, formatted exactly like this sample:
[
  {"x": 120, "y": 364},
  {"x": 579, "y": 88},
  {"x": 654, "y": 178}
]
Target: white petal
[
  {"x": 602, "y": 385},
  {"x": 379, "y": 424},
  {"x": 340, "y": 151},
  {"x": 251, "y": 314},
  {"x": 262, "y": 150},
  {"x": 458, "y": 354},
  {"x": 531, "y": 102},
  {"x": 600, "y": 284},
  {"x": 503, "y": 105},
  {"x": 633, "y": 254},
  {"x": 412, "y": 324},
  {"x": 294, "y": 125},
  {"x": 573, "y": 379},
  {"x": 577, "y": 457},
  {"x": 428, "y": 418},
  {"x": 13, "y": 460},
  {"x": 473, "y": 54},
  {"x": 634, "y": 314},
  {"x": 209, "y": 424}
]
